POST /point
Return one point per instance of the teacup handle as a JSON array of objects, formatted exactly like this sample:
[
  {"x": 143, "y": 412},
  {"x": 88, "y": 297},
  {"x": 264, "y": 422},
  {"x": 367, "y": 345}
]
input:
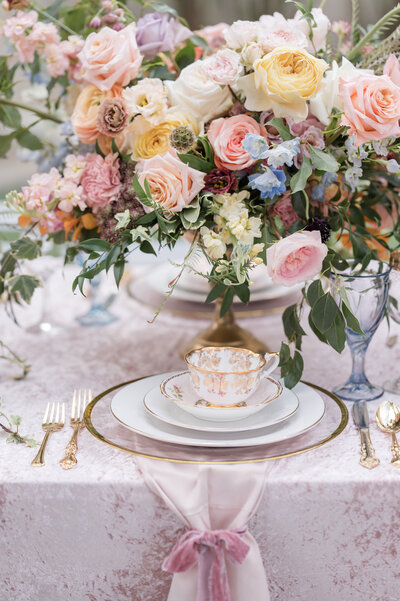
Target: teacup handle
[{"x": 272, "y": 360}]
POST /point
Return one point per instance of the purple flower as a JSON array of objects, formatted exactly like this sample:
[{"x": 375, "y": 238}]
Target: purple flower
[
  {"x": 220, "y": 181},
  {"x": 159, "y": 32}
]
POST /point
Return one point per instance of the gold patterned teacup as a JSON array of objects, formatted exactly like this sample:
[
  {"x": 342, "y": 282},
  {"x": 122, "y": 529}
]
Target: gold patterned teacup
[{"x": 226, "y": 376}]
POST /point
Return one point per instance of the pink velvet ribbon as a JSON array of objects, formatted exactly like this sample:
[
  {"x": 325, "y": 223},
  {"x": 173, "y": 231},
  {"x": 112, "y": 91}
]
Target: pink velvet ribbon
[{"x": 207, "y": 549}]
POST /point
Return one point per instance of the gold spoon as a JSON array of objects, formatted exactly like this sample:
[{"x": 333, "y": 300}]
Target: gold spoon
[{"x": 388, "y": 420}]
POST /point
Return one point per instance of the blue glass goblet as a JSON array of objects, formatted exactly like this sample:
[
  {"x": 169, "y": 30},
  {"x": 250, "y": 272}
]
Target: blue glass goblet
[{"x": 367, "y": 294}]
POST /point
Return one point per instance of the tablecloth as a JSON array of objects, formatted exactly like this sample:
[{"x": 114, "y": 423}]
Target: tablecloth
[{"x": 326, "y": 527}]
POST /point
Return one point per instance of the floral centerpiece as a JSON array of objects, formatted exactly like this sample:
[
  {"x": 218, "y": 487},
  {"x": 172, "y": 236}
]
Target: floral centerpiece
[{"x": 273, "y": 141}]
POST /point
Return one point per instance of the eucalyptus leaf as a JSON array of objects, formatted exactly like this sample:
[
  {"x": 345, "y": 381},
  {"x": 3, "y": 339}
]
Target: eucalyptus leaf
[
  {"x": 29, "y": 140},
  {"x": 322, "y": 160},
  {"x": 336, "y": 335},
  {"x": 216, "y": 291},
  {"x": 351, "y": 320},
  {"x": 196, "y": 162},
  {"x": 299, "y": 180},
  {"x": 324, "y": 312}
]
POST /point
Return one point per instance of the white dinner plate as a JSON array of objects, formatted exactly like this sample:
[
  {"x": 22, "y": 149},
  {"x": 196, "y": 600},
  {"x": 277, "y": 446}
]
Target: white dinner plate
[
  {"x": 170, "y": 412},
  {"x": 128, "y": 408},
  {"x": 159, "y": 277}
]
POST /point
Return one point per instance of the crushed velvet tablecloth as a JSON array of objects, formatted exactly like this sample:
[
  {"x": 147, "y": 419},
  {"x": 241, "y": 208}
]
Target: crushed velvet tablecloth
[{"x": 326, "y": 527}]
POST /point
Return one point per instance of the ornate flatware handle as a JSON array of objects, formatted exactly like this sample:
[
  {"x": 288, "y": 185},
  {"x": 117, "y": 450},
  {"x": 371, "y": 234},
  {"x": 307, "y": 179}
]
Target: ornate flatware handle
[
  {"x": 368, "y": 457},
  {"x": 395, "y": 451},
  {"x": 38, "y": 461},
  {"x": 71, "y": 450}
]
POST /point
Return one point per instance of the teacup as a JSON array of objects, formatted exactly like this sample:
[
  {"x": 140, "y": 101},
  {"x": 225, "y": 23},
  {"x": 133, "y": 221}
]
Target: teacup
[{"x": 226, "y": 376}]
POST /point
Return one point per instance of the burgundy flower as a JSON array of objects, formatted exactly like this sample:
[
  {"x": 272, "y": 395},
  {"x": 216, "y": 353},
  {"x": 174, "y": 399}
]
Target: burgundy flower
[{"x": 220, "y": 181}]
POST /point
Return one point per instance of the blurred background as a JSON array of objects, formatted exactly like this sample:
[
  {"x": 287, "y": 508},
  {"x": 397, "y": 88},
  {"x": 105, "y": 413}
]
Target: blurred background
[{"x": 198, "y": 13}]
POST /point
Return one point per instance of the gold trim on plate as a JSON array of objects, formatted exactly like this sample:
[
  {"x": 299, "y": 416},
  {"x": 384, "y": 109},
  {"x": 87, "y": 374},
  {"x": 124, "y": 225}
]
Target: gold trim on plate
[{"x": 344, "y": 418}]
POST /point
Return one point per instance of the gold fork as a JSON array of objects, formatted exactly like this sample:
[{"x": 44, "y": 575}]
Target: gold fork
[
  {"x": 53, "y": 420},
  {"x": 79, "y": 401}
]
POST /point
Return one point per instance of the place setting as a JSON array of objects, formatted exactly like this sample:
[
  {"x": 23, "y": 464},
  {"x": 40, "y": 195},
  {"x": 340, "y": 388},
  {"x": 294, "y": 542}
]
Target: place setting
[{"x": 199, "y": 284}]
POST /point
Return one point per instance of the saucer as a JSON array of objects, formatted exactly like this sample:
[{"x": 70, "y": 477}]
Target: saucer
[
  {"x": 178, "y": 388},
  {"x": 273, "y": 413}
]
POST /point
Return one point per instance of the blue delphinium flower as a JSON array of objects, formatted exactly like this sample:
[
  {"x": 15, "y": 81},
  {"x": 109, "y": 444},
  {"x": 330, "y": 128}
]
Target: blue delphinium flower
[
  {"x": 256, "y": 146},
  {"x": 270, "y": 182},
  {"x": 283, "y": 154},
  {"x": 318, "y": 191},
  {"x": 392, "y": 166}
]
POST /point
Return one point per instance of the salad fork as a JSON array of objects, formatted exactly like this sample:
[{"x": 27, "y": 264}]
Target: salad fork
[
  {"x": 53, "y": 420},
  {"x": 79, "y": 401}
]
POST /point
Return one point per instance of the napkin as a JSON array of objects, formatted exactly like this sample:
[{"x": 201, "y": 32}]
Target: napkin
[{"x": 213, "y": 498}]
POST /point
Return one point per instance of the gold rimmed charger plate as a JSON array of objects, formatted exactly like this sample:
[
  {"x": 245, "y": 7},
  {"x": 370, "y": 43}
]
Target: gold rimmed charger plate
[{"x": 164, "y": 451}]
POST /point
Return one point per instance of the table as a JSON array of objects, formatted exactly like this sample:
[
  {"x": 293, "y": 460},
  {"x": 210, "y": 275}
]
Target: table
[{"x": 327, "y": 528}]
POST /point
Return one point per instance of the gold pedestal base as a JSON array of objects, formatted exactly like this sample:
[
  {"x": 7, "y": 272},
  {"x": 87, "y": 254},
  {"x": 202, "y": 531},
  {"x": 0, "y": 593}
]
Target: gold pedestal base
[{"x": 224, "y": 331}]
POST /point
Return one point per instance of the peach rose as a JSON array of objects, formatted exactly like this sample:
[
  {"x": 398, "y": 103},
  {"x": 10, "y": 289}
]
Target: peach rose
[
  {"x": 296, "y": 258},
  {"x": 226, "y": 136},
  {"x": 392, "y": 69},
  {"x": 84, "y": 117},
  {"x": 173, "y": 184},
  {"x": 111, "y": 57},
  {"x": 371, "y": 105}
]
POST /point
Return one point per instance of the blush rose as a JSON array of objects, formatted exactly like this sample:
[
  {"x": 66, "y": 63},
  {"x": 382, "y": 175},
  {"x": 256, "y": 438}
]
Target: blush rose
[
  {"x": 226, "y": 136},
  {"x": 296, "y": 258}
]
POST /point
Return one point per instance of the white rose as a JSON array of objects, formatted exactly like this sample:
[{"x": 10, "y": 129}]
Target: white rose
[
  {"x": 241, "y": 33},
  {"x": 319, "y": 32},
  {"x": 148, "y": 98},
  {"x": 274, "y": 31},
  {"x": 327, "y": 96},
  {"x": 193, "y": 91},
  {"x": 223, "y": 67}
]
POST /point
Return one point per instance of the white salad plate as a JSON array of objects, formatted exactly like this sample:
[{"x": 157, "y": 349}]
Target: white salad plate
[
  {"x": 178, "y": 389},
  {"x": 160, "y": 277},
  {"x": 128, "y": 408},
  {"x": 277, "y": 410}
]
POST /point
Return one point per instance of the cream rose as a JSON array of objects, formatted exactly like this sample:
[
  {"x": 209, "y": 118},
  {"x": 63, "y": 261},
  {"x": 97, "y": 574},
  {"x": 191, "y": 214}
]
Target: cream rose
[
  {"x": 195, "y": 92},
  {"x": 145, "y": 140},
  {"x": 173, "y": 184},
  {"x": 283, "y": 80},
  {"x": 147, "y": 98},
  {"x": 84, "y": 117},
  {"x": 110, "y": 57}
]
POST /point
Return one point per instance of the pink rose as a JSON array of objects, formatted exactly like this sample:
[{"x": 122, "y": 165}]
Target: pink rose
[
  {"x": 223, "y": 67},
  {"x": 100, "y": 180},
  {"x": 111, "y": 57},
  {"x": 173, "y": 184},
  {"x": 392, "y": 69},
  {"x": 296, "y": 258},
  {"x": 213, "y": 35},
  {"x": 371, "y": 106},
  {"x": 226, "y": 137}
]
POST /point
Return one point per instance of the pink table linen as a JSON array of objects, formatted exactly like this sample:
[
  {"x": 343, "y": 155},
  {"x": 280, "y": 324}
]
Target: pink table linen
[{"x": 326, "y": 527}]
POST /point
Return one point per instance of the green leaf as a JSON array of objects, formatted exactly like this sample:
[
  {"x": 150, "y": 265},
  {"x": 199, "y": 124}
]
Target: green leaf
[
  {"x": 5, "y": 143},
  {"x": 186, "y": 56},
  {"x": 243, "y": 292},
  {"x": 13, "y": 438},
  {"x": 324, "y": 312},
  {"x": 15, "y": 420},
  {"x": 141, "y": 193},
  {"x": 282, "y": 128},
  {"x": 30, "y": 442},
  {"x": 314, "y": 292},
  {"x": 25, "y": 248},
  {"x": 24, "y": 286},
  {"x": 196, "y": 162},
  {"x": 28, "y": 140},
  {"x": 336, "y": 335},
  {"x": 119, "y": 268},
  {"x": 192, "y": 211},
  {"x": 95, "y": 245},
  {"x": 299, "y": 179},
  {"x": 227, "y": 301},
  {"x": 351, "y": 320},
  {"x": 295, "y": 371},
  {"x": 284, "y": 354},
  {"x": 299, "y": 202},
  {"x": 318, "y": 334},
  {"x": 216, "y": 291},
  {"x": 147, "y": 248},
  {"x": 10, "y": 116},
  {"x": 322, "y": 160},
  {"x": 112, "y": 256}
]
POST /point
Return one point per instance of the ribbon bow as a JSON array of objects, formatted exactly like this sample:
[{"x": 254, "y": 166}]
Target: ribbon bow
[{"x": 207, "y": 550}]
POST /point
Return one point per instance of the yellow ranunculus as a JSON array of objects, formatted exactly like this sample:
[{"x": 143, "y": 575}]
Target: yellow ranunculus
[
  {"x": 146, "y": 140},
  {"x": 283, "y": 80}
]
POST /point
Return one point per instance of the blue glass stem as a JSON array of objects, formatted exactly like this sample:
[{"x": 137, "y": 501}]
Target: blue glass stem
[{"x": 358, "y": 349}]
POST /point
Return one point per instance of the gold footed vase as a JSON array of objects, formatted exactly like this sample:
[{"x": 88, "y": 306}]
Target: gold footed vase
[{"x": 224, "y": 331}]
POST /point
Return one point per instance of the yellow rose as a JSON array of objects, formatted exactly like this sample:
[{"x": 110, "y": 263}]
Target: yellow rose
[
  {"x": 145, "y": 140},
  {"x": 283, "y": 80},
  {"x": 86, "y": 109}
]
